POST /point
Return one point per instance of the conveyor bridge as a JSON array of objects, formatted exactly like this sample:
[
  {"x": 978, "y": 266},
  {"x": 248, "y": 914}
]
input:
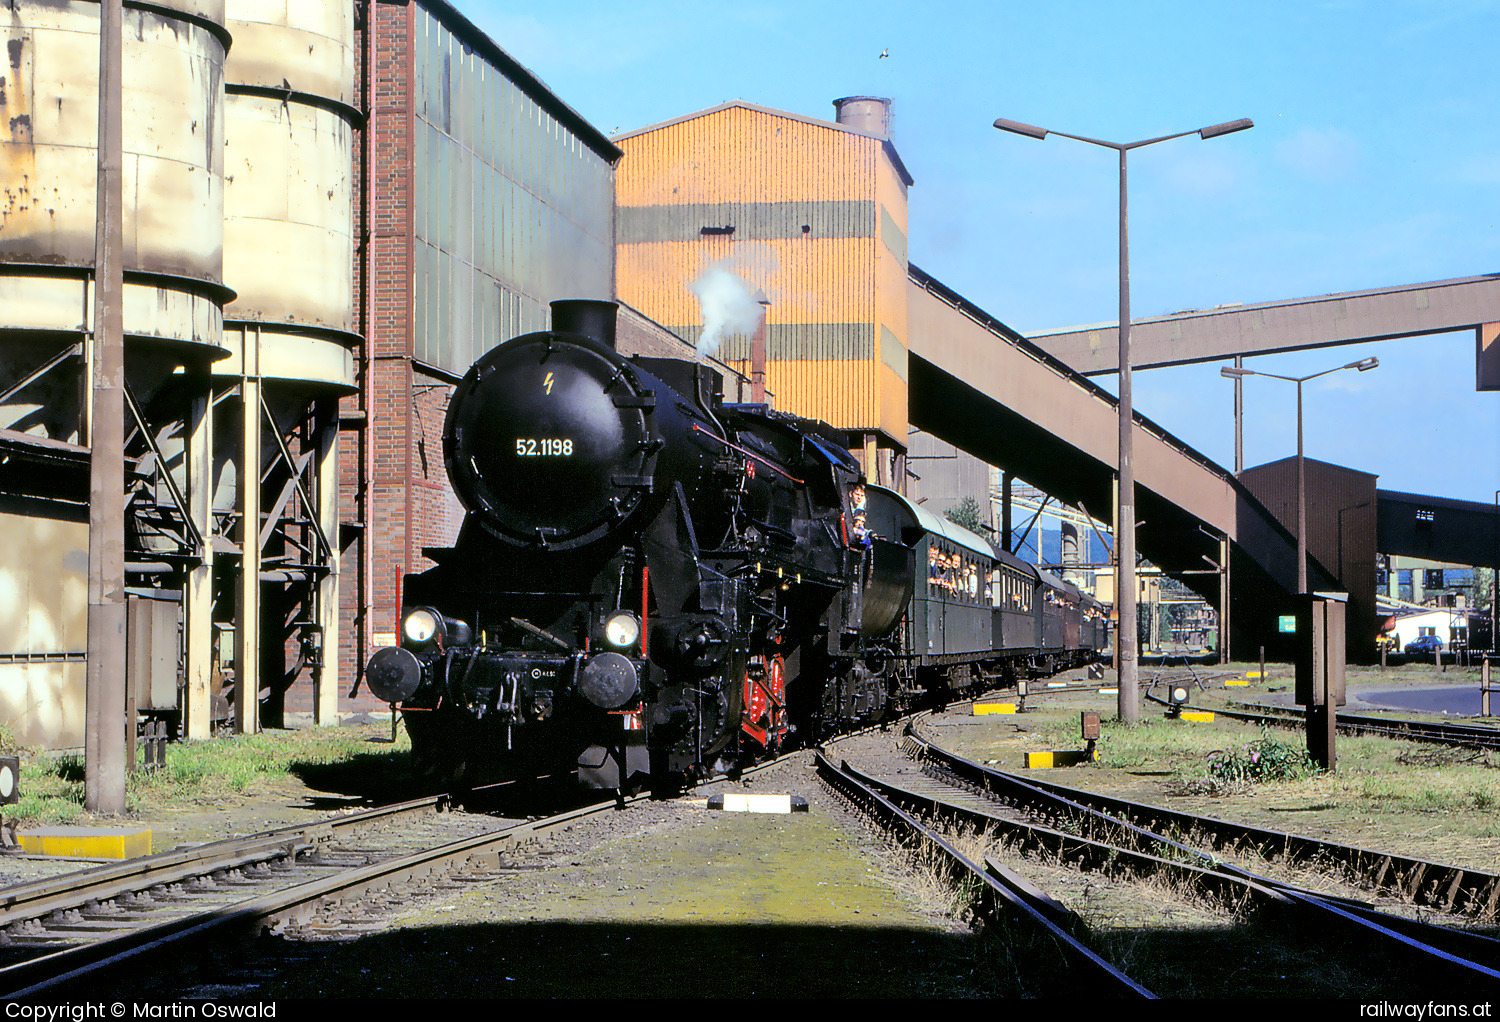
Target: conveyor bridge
[{"x": 982, "y": 387}]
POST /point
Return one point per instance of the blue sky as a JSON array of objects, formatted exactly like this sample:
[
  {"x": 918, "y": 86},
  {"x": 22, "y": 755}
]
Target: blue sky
[{"x": 1375, "y": 161}]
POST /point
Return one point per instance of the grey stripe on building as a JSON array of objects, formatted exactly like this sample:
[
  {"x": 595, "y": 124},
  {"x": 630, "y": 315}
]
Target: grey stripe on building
[
  {"x": 752, "y": 221},
  {"x": 895, "y": 240},
  {"x": 798, "y": 342}
]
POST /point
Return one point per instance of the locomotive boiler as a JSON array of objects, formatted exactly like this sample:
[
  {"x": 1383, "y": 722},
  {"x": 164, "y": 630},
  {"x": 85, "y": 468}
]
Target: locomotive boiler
[{"x": 650, "y": 584}]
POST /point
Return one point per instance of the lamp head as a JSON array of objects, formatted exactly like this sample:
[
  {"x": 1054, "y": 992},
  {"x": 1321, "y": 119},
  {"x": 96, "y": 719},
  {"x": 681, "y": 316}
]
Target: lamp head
[
  {"x": 1029, "y": 130},
  {"x": 1227, "y": 128}
]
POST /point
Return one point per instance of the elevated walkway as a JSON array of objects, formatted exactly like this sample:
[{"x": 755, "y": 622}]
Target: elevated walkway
[
  {"x": 1351, "y": 317},
  {"x": 980, "y": 386}
]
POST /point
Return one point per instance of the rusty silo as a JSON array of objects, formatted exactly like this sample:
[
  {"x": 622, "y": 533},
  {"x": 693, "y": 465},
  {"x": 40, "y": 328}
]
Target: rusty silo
[
  {"x": 172, "y": 306},
  {"x": 238, "y": 144},
  {"x": 291, "y": 114}
]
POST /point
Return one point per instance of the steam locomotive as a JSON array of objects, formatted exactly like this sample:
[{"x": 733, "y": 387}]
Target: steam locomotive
[{"x": 653, "y": 586}]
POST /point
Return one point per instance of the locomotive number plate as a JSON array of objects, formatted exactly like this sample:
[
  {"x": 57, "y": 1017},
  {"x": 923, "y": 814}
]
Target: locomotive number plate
[{"x": 534, "y": 447}]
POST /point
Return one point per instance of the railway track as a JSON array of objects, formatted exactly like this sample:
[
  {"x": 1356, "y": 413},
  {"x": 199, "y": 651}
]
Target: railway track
[
  {"x": 337, "y": 877},
  {"x": 1002, "y": 896},
  {"x": 81, "y": 930},
  {"x": 1113, "y": 836},
  {"x": 348, "y": 875},
  {"x": 1476, "y": 736}
]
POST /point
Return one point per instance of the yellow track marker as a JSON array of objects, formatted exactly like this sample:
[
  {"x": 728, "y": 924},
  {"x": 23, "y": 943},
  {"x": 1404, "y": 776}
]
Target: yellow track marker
[
  {"x": 86, "y": 842},
  {"x": 1059, "y": 758},
  {"x": 980, "y": 709}
]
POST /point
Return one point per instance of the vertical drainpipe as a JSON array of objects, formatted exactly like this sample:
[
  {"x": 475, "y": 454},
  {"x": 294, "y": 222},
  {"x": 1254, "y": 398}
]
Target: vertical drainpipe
[
  {"x": 365, "y": 604},
  {"x": 408, "y": 242}
]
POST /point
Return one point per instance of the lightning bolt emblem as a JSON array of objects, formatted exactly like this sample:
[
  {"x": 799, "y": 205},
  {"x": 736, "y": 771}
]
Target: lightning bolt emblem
[{"x": 547, "y": 383}]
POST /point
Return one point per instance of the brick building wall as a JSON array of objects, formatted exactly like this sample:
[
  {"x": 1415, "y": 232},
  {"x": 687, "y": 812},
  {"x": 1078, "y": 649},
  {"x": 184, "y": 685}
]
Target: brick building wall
[
  {"x": 375, "y": 467},
  {"x": 392, "y": 476}
]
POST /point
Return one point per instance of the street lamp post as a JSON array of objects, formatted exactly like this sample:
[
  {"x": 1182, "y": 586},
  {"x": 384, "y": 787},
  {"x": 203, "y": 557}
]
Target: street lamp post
[
  {"x": 1364, "y": 365},
  {"x": 1316, "y": 680},
  {"x": 1126, "y": 668}
]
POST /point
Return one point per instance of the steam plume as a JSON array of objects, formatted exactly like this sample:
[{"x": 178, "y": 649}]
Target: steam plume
[{"x": 730, "y": 308}]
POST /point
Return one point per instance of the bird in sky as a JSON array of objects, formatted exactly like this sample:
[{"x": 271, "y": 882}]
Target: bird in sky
[{"x": 883, "y": 54}]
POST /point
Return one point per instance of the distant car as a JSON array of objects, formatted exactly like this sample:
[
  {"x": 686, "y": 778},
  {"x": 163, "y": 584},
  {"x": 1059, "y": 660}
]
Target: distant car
[
  {"x": 1424, "y": 644},
  {"x": 1386, "y": 641}
]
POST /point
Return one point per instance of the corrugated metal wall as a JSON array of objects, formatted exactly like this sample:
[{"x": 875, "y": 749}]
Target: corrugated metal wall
[
  {"x": 511, "y": 209},
  {"x": 809, "y": 213}
]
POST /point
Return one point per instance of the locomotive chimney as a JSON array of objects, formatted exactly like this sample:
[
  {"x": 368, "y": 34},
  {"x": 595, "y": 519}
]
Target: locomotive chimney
[
  {"x": 870, "y": 115},
  {"x": 586, "y": 317}
]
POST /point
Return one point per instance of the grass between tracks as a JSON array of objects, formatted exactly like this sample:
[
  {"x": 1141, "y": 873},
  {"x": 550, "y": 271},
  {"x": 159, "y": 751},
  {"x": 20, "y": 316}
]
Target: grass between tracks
[
  {"x": 207, "y": 773},
  {"x": 1381, "y": 785},
  {"x": 1423, "y": 800}
]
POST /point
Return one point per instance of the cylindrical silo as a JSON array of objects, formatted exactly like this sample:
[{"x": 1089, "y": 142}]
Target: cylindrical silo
[
  {"x": 173, "y": 177},
  {"x": 288, "y": 256}
]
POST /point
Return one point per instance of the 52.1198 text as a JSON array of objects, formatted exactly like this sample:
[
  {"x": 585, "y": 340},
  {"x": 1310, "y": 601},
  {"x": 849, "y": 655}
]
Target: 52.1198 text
[{"x": 548, "y": 447}]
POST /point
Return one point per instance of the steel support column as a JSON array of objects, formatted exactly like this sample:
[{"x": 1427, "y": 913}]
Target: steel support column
[
  {"x": 105, "y": 747},
  {"x": 1224, "y": 602},
  {"x": 197, "y": 596},
  {"x": 247, "y": 503},
  {"x": 325, "y": 494}
]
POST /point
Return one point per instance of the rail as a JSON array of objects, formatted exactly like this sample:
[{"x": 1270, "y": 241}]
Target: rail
[
  {"x": 1115, "y": 831},
  {"x": 998, "y": 893}
]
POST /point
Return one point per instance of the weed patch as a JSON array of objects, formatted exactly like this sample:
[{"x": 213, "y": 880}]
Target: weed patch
[
  {"x": 212, "y": 771},
  {"x": 1269, "y": 759}
]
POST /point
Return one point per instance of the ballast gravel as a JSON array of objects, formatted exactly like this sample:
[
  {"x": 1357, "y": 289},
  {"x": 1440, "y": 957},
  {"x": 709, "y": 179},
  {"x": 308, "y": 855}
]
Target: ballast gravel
[{"x": 672, "y": 899}]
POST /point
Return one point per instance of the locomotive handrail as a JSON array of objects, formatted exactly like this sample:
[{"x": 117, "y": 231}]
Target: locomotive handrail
[{"x": 750, "y": 454}]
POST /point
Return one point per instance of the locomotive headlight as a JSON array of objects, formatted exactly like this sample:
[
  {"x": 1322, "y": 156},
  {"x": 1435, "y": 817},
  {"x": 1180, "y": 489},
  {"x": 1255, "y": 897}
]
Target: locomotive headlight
[
  {"x": 622, "y": 629},
  {"x": 420, "y": 626}
]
